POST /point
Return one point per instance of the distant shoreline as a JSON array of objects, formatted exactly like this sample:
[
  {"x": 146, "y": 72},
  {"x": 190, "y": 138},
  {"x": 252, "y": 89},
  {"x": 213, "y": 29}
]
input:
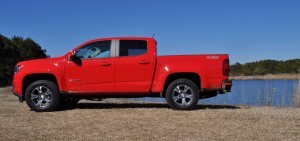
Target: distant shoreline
[{"x": 266, "y": 77}]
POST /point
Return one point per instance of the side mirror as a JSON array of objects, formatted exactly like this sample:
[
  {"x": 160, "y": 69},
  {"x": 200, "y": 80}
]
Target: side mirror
[{"x": 71, "y": 56}]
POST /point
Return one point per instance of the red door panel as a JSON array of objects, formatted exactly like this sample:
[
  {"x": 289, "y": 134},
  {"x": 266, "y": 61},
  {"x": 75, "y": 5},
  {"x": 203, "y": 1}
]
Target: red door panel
[
  {"x": 134, "y": 74},
  {"x": 90, "y": 75}
]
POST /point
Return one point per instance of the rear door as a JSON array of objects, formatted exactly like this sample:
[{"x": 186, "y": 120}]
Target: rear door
[{"x": 134, "y": 65}]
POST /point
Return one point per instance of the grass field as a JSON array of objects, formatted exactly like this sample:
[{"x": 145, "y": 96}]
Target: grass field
[{"x": 117, "y": 120}]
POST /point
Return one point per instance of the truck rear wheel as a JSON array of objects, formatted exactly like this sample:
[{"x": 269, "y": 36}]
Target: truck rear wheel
[
  {"x": 182, "y": 94},
  {"x": 42, "y": 96}
]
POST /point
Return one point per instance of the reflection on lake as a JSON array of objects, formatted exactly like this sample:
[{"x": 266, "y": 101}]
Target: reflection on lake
[{"x": 278, "y": 93}]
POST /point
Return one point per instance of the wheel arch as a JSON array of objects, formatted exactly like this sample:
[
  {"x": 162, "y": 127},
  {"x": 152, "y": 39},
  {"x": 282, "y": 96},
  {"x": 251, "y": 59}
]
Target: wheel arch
[
  {"x": 187, "y": 75},
  {"x": 30, "y": 78}
]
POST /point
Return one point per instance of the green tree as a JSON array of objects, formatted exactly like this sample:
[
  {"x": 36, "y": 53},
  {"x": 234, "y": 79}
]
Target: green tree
[
  {"x": 28, "y": 48},
  {"x": 236, "y": 69},
  {"x": 266, "y": 67},
  {"x": 15, "y": 50}
]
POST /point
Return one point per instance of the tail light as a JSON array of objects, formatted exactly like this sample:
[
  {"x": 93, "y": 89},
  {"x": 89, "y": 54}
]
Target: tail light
[{"x": 226, "y": 68}]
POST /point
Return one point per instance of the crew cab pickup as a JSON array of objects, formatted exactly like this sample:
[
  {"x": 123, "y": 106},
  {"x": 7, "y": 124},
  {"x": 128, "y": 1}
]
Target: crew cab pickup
[{"x": 120, "y": 67}]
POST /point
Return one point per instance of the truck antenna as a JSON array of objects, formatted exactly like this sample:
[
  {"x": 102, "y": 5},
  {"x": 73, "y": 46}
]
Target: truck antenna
[{"x": 153, "y": 35}]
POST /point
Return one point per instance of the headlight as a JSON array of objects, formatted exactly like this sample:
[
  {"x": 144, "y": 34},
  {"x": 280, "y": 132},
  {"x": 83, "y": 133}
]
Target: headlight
[{"x": 17, "y": 68}]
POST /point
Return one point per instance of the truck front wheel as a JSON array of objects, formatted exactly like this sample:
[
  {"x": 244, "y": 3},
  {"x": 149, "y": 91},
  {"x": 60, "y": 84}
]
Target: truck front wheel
[
  {"x": 42, "y": 96},
  {"x": 182, "y": 94}
]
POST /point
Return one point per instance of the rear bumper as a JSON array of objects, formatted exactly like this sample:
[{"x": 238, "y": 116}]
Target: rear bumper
[{"x": 226, "y": 86}]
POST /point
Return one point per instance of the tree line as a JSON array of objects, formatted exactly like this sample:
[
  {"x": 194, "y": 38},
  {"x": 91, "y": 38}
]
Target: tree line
[
  {"x": 14, "y": 50},
  {"x": 265, "y": 67}
]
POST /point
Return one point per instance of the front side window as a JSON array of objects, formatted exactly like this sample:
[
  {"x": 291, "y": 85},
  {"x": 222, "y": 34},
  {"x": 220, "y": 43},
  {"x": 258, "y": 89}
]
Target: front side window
[
  {"x": 132, "y": 47},
  {"x": 94, "y": 50}
]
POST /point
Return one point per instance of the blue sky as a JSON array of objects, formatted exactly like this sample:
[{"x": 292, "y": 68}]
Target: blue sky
[{"x": 248, "y": 30}]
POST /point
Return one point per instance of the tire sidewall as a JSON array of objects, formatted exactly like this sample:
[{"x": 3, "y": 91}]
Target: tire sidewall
[
  {"x": 55, "y": 95},
  {"x": 173, "y": 85}
]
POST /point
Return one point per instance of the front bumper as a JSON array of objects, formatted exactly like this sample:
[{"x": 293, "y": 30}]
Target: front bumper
[{"x": 20, "y": 97}]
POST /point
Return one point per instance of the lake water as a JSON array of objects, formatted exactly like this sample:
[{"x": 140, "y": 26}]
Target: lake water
[{"x": 278, "y": 93}]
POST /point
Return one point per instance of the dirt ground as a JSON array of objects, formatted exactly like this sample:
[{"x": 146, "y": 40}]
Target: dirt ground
[{"x": 115, "y": 120}]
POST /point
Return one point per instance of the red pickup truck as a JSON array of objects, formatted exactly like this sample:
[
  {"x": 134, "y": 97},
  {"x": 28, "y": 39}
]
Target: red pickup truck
[{"x": 120, "y": 67}]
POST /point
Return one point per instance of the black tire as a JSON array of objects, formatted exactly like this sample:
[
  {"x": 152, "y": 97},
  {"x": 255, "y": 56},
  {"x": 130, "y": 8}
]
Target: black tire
[
  {"x": 182, "y": 94},
  {"x": 37, "y": 93}
]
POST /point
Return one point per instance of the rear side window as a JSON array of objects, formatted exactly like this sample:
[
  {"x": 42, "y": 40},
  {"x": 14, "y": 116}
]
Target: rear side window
[{"x": 132, "y": 47}]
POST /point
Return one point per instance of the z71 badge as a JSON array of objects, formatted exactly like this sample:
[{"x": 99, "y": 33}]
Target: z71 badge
[{"x": 212, "y": 57}]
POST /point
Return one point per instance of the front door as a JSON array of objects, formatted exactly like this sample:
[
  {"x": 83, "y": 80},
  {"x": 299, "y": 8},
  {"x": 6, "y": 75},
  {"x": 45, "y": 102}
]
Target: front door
[{"x": 92, "y": 70}]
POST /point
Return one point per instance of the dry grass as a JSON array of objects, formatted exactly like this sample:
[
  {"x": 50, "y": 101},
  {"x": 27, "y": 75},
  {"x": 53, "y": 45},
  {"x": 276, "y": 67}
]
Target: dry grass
[
  {"x": 151, "y": 121},
  {"x": 297, "y": 96},
  {"x": 268, "y": 76}
]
